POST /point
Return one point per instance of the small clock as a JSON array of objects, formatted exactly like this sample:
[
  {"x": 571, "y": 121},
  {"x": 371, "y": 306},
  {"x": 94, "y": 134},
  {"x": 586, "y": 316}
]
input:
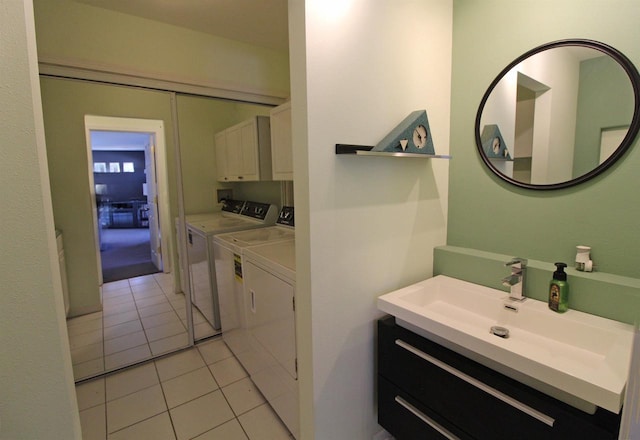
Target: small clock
[
  {"x": 493, "y": 143},
  {"x": 420, "y": 136},
  {"x": 412, "y": 135}
]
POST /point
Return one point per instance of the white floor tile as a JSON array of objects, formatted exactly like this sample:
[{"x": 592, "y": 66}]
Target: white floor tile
[
  {"x": 115, "y": 285},
  {"x": 189, "y": 386},
  {"x": 203, "y": 330},
  {"x": 150, "y": 293},
  {"x": 79, "y": 328},
  {"x": 84, "y": 318},
  {"x": 156, "y": 428},
  {"x": 156, "y": 309},
  {"x": 117, "y": 300},
  {"x": 125, "y": 328},
  {"x": 125, "y": 342},
  {"x": 144, "y": 279},
  {"x": 200, "y": 415},
  {"x": 88, "y": 368},
  {"x": 243, "y": 396},
  {"x": 93, "y": 423},
  {"x": 108, "y": 310},
  {"x": 165, "y": 330},
  {"x": 134, "y": 408},
  {"x": 172, "y": 343},
  {"x": 179, "y": 364},
  {"x": 92, "y": 337},
  {"x": 130, "y": 381},
  {"x": 151, "y": 301},
  {"x": 230, "y": 430},
  {"x": 120, "y": 318},
  {"x": 214, "y": 351},
  {"x": 127, "y": 357},
  {"x": 262, "y": 423},
  {"x": 87, "y": 353},
  {"x": 227, "y": 371},
  {"x": 146, "y": 290},
  {"x": 116, "y": 292},
  {"x": 90, "y": 394},
  {"x": 156, "y": 320}
]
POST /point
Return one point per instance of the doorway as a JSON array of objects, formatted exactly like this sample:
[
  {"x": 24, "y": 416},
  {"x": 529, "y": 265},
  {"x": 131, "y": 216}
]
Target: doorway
[
  {"x": 127, "y": 177},
  {"x": 123, "y": 172}
]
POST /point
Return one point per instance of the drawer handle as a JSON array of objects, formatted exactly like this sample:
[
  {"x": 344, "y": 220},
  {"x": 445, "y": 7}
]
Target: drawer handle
[
  {"x": 480, "y": 385},
  {"x": 429, "y": 421}
]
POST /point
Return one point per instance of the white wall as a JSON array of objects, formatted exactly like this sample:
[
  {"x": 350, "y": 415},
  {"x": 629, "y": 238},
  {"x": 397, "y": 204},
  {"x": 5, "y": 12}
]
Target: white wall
[
  {"x": 36, "y": 383},
  {"x": 361, "y": 67}
]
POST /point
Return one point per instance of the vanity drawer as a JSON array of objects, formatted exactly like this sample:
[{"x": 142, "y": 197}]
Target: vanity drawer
[
  {"x": 406, "y": 418},
  {"x": 476, "y": 399}
]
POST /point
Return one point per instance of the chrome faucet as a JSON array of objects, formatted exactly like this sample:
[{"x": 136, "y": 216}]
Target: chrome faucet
[{"x": 515, "y": 281}]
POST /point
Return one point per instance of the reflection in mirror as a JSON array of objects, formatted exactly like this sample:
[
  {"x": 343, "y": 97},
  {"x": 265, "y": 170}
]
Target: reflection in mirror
[
  {"x": 200, "y": 119},
  {"x": 559, "y": 114}
]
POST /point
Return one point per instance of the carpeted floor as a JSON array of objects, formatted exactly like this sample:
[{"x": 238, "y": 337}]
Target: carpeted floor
[{"x": 125, "y": 253}]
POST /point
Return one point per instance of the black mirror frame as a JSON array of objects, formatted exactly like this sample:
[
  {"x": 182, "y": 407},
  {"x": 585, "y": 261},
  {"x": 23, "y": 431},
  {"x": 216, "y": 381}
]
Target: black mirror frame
[{"x": 628, "y": 140}]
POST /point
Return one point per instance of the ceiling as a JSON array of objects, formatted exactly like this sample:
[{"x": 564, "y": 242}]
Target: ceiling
[{"x": 258, "y": 22}]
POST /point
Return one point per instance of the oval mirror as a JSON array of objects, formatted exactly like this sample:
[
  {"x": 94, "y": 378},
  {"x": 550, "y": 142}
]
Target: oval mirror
[{"x": 559, "y": 114}]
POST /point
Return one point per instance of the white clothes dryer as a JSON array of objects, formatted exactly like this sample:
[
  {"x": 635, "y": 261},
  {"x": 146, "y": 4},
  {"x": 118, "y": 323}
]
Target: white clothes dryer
[
  {"x": 201, "y": 229},
  {"x": 227, "y": 251},
  {"x": 271, "y": 356}
]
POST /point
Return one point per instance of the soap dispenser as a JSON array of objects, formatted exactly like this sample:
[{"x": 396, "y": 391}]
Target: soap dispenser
[{"x": 559, "y": 290}]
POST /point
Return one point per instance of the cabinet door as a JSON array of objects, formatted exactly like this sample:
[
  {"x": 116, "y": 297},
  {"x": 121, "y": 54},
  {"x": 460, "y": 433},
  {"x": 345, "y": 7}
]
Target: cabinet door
[
  {"x": 476, "y": 399},
  {"x": 234, "y": 152},
  {"x": 221, "y": 156},
  {"x": 249, "y": 150},
  {"x": 404, "y": 417},
  {"x": 270, "y": 314},
  {"x": 281, "y": 143}
]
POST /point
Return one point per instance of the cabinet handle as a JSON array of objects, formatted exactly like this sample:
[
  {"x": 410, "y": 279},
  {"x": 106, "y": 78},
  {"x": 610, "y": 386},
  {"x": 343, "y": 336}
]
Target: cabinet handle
[
  {"x": 253, "y": 301},
  {"x": 480, "y": 385},
  {"x": 428, "y": 420}
]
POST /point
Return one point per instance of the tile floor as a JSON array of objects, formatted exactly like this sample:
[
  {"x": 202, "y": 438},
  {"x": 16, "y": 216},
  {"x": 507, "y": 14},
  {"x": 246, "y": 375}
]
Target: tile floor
[
  {"x": 141, "y": 317},
  {"x": 201, "y": 393}
]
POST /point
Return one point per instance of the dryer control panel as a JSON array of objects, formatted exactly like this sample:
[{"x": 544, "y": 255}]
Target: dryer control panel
[
  {"x": 260, "y": 211},
  {"x": 286, "y": 216}
]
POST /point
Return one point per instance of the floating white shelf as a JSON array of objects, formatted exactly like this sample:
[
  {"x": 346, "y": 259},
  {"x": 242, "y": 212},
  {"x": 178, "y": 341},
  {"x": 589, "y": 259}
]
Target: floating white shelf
[{"x": 366, "y": 150}]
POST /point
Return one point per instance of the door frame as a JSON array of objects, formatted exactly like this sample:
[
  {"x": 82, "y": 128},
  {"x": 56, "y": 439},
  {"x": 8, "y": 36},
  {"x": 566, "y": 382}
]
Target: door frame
[{"x": 156, "y": 127}]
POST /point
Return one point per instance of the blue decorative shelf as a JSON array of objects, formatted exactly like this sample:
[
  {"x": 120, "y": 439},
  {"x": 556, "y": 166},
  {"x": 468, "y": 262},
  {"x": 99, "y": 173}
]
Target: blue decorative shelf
[
  {"x": 368, "y": 150},
  {"x": 410, "y": 138}
]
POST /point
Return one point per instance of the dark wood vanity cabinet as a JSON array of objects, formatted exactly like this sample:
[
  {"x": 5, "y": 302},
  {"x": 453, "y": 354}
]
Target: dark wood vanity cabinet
[{"x": 426, "y": 391}]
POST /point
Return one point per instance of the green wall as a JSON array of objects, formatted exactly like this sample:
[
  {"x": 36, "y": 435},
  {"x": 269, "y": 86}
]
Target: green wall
[
  {"x": 484, "y": 212},
  {"x": 69, "y": 31},
  {"x": 488, "y": 214},
  {"x": 605, "y": 100},
  {"x": 65, "y": 103},
  {"x": 199, "y": 119}
]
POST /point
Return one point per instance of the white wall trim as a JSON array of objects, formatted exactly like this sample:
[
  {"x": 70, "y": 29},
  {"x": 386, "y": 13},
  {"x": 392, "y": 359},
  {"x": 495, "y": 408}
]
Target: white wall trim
[
  {"x": 143, "y": 126},
  {"x": 78, "y": 69}
]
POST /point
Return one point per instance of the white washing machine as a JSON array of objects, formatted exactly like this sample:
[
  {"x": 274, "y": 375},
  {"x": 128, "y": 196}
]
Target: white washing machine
[
  {"x": 270, "y": 356},
  {"x": 201, "y": 229},
  {"x": 227, "y": 251}
]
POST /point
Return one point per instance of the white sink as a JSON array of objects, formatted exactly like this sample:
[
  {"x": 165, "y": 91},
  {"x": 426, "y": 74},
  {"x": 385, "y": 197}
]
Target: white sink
[{"x": 579, "y": 358}]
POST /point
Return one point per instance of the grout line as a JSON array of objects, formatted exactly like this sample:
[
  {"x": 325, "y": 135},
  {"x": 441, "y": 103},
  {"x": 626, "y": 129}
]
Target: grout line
[
  {"x": 106, "y": 413},
  {"x": 155, "y": 367}
]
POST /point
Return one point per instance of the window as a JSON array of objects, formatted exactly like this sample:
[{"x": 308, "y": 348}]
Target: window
[
  {"x": 114, "y": 167},
  {"x": 127, "y": 167},
  {"x": 99, "y": 167}
]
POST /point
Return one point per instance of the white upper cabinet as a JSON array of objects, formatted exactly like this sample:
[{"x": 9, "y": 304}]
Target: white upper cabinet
[
  {"x": 221, "y": 155},
  {"x": 281, "y": 144},
  {"x": 243, "y": 151}
]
